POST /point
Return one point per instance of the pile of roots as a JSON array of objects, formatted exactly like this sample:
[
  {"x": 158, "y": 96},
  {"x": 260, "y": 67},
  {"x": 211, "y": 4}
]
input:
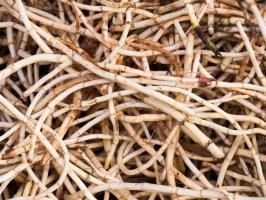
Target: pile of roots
[{"x": 132, "y": 99}]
